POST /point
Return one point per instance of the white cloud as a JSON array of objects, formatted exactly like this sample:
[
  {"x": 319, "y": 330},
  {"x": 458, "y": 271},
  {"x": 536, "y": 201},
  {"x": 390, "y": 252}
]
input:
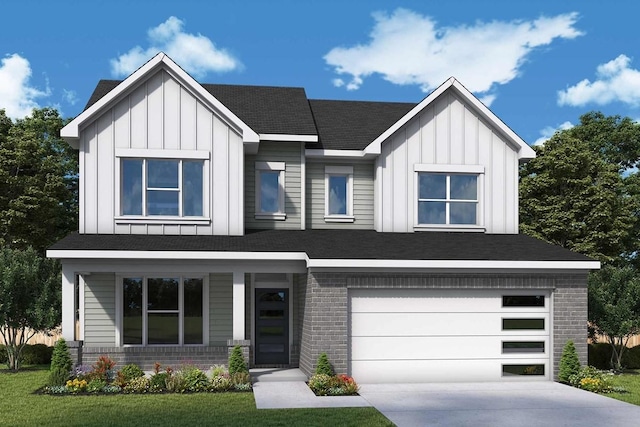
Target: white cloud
[
  {"x": 407, "y": 48},
  {"x": 549, "y": 131},
  {"x": 488, "y": 99},
  {"x": 338, "y": 82},
  {"x": 615, "y": 81},
  {"x": 17, "y": 96},
  {"x": 194, "y": 52},
  {"x": 70, "y": 96}
]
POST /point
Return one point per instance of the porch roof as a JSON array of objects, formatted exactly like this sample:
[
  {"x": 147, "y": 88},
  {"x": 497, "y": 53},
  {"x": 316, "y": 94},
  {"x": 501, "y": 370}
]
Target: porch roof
[{"x": 336, "y": 245}]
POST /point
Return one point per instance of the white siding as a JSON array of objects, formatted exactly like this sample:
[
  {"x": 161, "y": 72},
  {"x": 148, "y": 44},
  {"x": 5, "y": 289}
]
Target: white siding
[
  {"x": 362, "y": 196},
  {"x": 100, "y": 310},
  {"x": 447, "y": 132},
  {"x": 160, "y": 114}
]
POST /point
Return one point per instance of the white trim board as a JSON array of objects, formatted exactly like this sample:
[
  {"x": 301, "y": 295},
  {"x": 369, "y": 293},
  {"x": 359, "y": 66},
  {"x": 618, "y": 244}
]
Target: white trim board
[{"x": 369, "y": 264}]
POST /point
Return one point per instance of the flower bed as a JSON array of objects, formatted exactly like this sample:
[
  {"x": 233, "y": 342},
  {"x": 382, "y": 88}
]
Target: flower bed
[
  {"x": 333, "y": 385},
  {"x": 103, "y": 378}
]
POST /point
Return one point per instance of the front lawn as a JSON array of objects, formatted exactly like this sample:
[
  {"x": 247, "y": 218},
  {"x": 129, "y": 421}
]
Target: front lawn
[
  {"x": 20, "y": 406},
  {"x": 630, "y": 380}
]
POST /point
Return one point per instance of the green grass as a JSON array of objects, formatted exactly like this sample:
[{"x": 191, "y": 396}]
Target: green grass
[
  {"x": 20, "y": 406},
  {"x": 631, "y": 382}
]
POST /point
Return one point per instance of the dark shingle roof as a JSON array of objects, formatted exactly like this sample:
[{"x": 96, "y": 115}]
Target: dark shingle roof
[
  {"x": 352, "y": 125},
  {"x": 265, "y": 109},
  {"x": 340, "y": 244},
  {"x": 340, "y": 125}
]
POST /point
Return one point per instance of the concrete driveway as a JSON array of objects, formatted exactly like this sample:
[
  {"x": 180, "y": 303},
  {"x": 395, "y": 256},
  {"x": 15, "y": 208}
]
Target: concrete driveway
[{"x": 512, "y": 404}]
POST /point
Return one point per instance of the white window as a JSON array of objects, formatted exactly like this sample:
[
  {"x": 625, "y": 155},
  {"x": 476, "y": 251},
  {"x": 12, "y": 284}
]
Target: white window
[
  {"x": 338, "y": 197},
  {"x": 270, "y": 190},
  {"x": 448, "y": 196},
  {"x": 163, "y": 310},
  {"x": 162, "y": 187}
]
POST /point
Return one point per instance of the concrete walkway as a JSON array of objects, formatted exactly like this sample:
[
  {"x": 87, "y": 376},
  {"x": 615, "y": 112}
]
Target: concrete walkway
[{"x": 286, "y": 388}]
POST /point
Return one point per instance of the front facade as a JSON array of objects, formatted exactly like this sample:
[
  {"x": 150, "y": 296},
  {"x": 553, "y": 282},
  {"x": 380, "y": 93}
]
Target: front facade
[{"x": 384, "y": 234}]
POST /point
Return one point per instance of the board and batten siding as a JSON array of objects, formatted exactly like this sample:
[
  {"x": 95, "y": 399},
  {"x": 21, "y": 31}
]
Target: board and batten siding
[
  {"x": 447, "y": 132},
  {"x": 160, "y": 114},
  {"x": 362, "y": 196},
  {"x": 100, "y": 310},
  {"x": 289, "y": 153},
  {"x": 220, "y": 308}
]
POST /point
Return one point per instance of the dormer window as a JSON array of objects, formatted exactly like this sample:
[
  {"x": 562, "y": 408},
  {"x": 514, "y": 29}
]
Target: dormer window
[{"x": 448, "y": 196}]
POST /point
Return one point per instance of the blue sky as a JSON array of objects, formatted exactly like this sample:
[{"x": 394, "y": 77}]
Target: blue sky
[{"x": 539, "y": 65}]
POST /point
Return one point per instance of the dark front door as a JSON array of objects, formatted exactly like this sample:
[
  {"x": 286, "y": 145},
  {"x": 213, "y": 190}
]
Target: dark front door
[{"x": 272, "y": 326}]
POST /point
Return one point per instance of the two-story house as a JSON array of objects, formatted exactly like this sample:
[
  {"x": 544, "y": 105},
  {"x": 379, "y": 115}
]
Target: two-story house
[{"x": 384, "y": 234}]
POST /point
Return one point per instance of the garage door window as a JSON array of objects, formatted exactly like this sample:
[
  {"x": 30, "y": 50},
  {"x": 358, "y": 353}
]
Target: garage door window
[
  {"x": 523, "y": 347},
  {"x": 515, "y": 370},
  {"x": 523, "y": 300},
  {"x": 522, "y": 324}
]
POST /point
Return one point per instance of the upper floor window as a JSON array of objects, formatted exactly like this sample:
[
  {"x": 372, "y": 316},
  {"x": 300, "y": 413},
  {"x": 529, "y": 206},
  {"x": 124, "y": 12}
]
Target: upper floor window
[
  {"x": 162, "y": 187},
  {"x": 447, "y": 199},
  {"x": 338, "y": 193},
  {"x": 270, "y": 190}
]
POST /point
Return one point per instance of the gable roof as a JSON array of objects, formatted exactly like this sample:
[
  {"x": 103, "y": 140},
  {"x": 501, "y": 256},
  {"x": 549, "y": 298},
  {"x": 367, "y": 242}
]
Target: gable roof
[
  {"x": 346, "y": 247},
  {"x": 525, "y": 152},
  {"x": 161, "y": 61},
  {"x": 280, "y": 113},
  {"x": 352, "y": 125},
  {"x": 266, "y": 109}
]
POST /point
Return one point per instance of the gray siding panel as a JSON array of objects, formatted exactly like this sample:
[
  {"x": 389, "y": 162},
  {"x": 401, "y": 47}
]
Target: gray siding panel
[
  {"x": 363, "y": 209},
  {"x": 220, "y": 308},
  {"x": 290, "y": 153},
  {"x": 100, "y": 310}
]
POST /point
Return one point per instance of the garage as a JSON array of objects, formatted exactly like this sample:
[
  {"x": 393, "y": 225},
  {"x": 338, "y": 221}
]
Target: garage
[{"x": 445, "y": 335}]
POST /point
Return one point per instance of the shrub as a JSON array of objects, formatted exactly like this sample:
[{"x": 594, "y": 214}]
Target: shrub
[
  {"x": 194, "y": 379},
  {"x": 591, "y": 379},
  {"x": 242, "y": 387},
  {"x": 600, "y": 355},
  {"x": 241, "y": 378},
  {"x": 175, "y": 383},
  {"x": 36, "y": 354},
  {"x": 82, "y": 371},
  {"x": 103, "y": 369},
  {"x": 323, "y": 366},
  {"x": 60, "y": 363},
  {"x": 112, "y": 389},
  {"x": 158, "y": 382},
  {"x": 4, "y": 358},
  {"x": 569, "y": 363},
  {"x": 631, "y": 358},
  {"x": 220, "y": 383},
  {"x": 320, "y": 384},
  {"x": 236, "y": 361},
  {"x": 137, "y": 385},
  {"x": 131, "y": 371},
  {"x": 95, "y": 386},
  {"x": 218, "y": 370}
]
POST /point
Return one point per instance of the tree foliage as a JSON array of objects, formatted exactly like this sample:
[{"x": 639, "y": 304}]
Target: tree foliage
[
  {"x": 614, "y": 307},
  {"x": 573, "y": 197},
  {"x": 38, "y": 181},
  {"x": 61, "y": 363},
  {"x": 31, "y": 299},
  {"x": 236, "y": 361}
]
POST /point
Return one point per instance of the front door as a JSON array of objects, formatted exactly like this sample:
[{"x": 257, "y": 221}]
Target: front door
[{"x": 272, "y": 327}]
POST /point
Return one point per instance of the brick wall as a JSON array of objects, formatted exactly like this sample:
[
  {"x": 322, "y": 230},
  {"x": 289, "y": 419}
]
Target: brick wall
[{"x": 325, "y": 299}]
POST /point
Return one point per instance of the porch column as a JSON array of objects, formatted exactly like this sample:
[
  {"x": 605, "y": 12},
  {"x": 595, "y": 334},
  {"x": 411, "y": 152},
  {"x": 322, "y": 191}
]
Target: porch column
[
  {"x": 238, "y": 305},
  {"x": 68, "y": 303}
]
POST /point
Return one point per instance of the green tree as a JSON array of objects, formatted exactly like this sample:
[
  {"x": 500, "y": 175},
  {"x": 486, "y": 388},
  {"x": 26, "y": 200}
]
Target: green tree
[
  {"x": 61, "y": 363},
  {"x": 31, "y": 299},
  {"x": 572, "y": 196},
  {"x": 323, "y": 366},
  {"x": 38, "y": 181},
  {"x": 614, "y": 307},
  {"x": 236, "y": 361}
]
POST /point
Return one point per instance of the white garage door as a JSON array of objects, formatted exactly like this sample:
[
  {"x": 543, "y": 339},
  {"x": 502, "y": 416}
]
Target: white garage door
[{"x": 419, "y": 335}]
